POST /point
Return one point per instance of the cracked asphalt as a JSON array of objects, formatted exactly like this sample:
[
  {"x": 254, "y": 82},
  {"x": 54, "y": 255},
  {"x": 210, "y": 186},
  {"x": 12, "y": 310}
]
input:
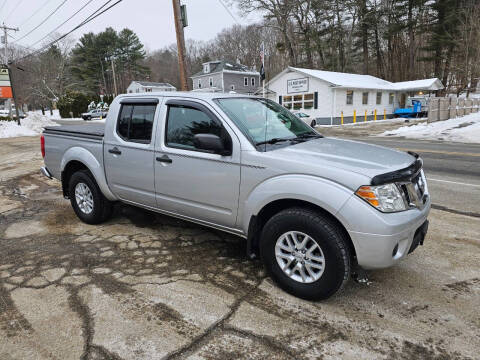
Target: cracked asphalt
[{"x": 146, "y": 286}]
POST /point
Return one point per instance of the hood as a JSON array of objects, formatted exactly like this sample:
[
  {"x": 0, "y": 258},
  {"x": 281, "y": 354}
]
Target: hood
[{"x": 358, "y": 157}]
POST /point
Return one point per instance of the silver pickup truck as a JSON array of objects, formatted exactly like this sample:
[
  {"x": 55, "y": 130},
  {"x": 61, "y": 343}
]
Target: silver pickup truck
[{"x": 316, "y": 210}]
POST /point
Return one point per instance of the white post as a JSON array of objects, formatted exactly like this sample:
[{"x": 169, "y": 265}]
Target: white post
[{"x": 334, "y": 92}]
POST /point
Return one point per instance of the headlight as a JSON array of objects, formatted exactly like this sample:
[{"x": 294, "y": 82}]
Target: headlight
[{"x": 386, "y": 198}]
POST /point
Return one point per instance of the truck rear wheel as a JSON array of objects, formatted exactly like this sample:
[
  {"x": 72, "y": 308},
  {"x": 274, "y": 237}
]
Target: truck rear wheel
[
  {"x": 87, "y": 199},
  {"x": 305, "y": 253}
]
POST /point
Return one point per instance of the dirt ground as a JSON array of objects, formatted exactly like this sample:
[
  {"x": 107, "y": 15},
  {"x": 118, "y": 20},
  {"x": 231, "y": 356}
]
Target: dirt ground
[{"x": 145, "y": 286}]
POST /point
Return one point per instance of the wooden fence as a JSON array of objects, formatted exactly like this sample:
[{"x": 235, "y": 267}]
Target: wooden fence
[{"x": 450, "y": 108}]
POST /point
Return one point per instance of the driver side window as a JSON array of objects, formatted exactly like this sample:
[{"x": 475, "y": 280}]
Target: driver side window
[{"x": 183, "y": 123}]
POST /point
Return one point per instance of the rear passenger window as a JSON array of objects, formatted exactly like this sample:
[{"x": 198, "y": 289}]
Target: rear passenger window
[
  {"x": 184, "y": 123},
  {"x": 135, "y": 122}
]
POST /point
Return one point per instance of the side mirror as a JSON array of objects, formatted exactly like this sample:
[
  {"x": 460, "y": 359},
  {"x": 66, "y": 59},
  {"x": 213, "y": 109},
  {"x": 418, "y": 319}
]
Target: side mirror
[{"x": 210, "y": 142}]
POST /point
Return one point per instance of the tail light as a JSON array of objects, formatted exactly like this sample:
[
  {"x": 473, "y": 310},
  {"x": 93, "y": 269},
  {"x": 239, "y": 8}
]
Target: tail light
[{"x": 42, "y": 145}]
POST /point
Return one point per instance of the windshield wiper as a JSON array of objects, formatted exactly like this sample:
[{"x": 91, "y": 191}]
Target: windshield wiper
[
  {"x": 273, "y": 141},
  {"x": 309, "y": 135},
  {"x": 306, "y": 137}
]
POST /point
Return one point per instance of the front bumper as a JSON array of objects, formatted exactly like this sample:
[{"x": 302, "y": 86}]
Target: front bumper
[{"x": 380, "y": 239}]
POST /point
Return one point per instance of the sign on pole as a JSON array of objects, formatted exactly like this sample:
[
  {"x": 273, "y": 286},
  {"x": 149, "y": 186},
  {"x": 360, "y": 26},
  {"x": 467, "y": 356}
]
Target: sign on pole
[{"x": 5, "y": 83}]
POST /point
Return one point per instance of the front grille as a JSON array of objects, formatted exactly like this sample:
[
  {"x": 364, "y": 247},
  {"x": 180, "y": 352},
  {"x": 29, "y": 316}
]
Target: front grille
[{"x": 415, "y": 191}]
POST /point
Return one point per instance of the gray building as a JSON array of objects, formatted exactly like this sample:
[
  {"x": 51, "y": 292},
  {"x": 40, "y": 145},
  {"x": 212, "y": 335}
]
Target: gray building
[{"x": 224, "y": 76}]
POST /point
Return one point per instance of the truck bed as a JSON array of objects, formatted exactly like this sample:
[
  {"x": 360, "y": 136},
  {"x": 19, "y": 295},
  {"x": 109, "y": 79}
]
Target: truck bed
[{"x": 83, "y": 131}]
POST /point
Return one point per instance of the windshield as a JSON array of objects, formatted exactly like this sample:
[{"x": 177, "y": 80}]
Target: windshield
[{"x": 264, "y": 121}]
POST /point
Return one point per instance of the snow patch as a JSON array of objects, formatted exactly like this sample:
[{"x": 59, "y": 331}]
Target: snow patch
[
  {"x": 32, "y": 125},
  {"x": 464, "y": 129}
]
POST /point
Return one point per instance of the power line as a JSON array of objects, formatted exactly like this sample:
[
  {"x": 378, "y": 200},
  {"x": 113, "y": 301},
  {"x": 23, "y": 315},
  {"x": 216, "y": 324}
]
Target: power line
[
  {"x": 34, "y": 13},
  {"x": 100, "y": 8},
  {"x": 86, "y": 21},
  {"x": 228, "y": 10},
  {"x": 13, "y": 10},
  {"x": 59, "y": 26},
  {"x": 48, "y": 17}
]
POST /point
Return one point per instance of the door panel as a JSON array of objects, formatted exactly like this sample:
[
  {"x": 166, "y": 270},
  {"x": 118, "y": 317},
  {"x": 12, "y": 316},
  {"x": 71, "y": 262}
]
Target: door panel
[
  {"x": 130, "y": 174},
  {"x": 192, "y": 183},
  {"x": 129, "y": 154}
]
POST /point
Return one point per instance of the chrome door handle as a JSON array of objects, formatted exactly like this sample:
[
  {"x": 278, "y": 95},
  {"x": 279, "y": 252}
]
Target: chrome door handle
[
  {"x": 164, "y": 159},
  {"x": 115, "y": 151}
]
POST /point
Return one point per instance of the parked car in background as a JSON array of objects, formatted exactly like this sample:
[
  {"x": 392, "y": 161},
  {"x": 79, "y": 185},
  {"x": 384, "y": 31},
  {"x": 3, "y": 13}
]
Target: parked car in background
[
  {"x": 315, "y": 209},
  {"x": 5, "y": 113},
  {"x": 94, "y": 113},
  {"x": 305, "y": 118}
]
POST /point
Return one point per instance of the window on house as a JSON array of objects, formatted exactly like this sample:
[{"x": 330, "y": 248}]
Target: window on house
[
  {"x": 349, "y": 97},
  {"x": 308, "y": 105},
  {"x": 365, "y": 98},
  {"x": 136, "y": 122},
  {"x": 232, "y": 87},
  {"x": 205, "y": 68},
  {"x": 210, "y": 82},
  {"x": 253, "y": 81},
  {"x": 199, "y": 83},
  {"x": 391, "y": 98},
  {"x": 297, "y": 102},
  {"x": 379, "y": 98},
  {"x": 245, "y": 81},
  {"x": 148, "y": 90}
]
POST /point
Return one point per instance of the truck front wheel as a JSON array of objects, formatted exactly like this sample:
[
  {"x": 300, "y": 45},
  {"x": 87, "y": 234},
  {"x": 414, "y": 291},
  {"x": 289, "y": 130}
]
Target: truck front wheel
[
  {"x": 87, "y": 200},
  {"x": 305, "y": 253}
]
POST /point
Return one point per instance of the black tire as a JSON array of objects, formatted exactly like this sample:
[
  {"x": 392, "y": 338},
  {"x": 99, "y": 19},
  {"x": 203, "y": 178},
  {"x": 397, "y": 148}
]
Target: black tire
[
  {"x": 328, "y": 236},
  {"x": 313, "y": 123},
  {"x": 102, "y": 207},
  {"x": 89, "y": 118}
]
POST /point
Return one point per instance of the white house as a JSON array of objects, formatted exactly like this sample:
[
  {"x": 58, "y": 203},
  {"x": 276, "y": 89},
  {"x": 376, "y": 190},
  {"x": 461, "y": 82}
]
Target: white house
[
  {"x": 148, "y": 86},
  {"x": 327, "y": 95}
]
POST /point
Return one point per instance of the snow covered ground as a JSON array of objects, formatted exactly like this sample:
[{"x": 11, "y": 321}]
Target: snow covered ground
[
  {"x": 32, "y": 125},
  {"x": 463, "y": 129}
]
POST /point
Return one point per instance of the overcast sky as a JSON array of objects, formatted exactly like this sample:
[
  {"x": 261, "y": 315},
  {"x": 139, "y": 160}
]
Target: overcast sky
[{"x": 152, "y": 20}]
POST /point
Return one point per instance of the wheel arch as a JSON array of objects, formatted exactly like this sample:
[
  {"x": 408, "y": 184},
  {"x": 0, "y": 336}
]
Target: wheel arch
[
  {"x": 258, "y": 221},
  {"x": 78, "y": 158}
]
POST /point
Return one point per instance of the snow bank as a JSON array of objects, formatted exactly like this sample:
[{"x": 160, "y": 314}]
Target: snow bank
[
  {"x": 464, "y": 129},
  {"x": 32, "y": 125}
]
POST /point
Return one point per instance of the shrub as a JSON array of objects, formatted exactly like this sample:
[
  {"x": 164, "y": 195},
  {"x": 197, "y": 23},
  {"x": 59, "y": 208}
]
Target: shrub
[{"x": 73, "y": 101}]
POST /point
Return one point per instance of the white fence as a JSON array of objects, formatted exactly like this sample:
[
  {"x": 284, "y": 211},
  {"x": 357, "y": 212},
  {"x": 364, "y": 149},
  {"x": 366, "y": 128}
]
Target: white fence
[{"x": 450, "y": 108}]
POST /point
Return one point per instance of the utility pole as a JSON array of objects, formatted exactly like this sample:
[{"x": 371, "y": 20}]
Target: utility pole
[
  {"x": 179, "y": 25},
  {"x": 5, "y": 59},
  {"x": 114, "y": 78}
]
